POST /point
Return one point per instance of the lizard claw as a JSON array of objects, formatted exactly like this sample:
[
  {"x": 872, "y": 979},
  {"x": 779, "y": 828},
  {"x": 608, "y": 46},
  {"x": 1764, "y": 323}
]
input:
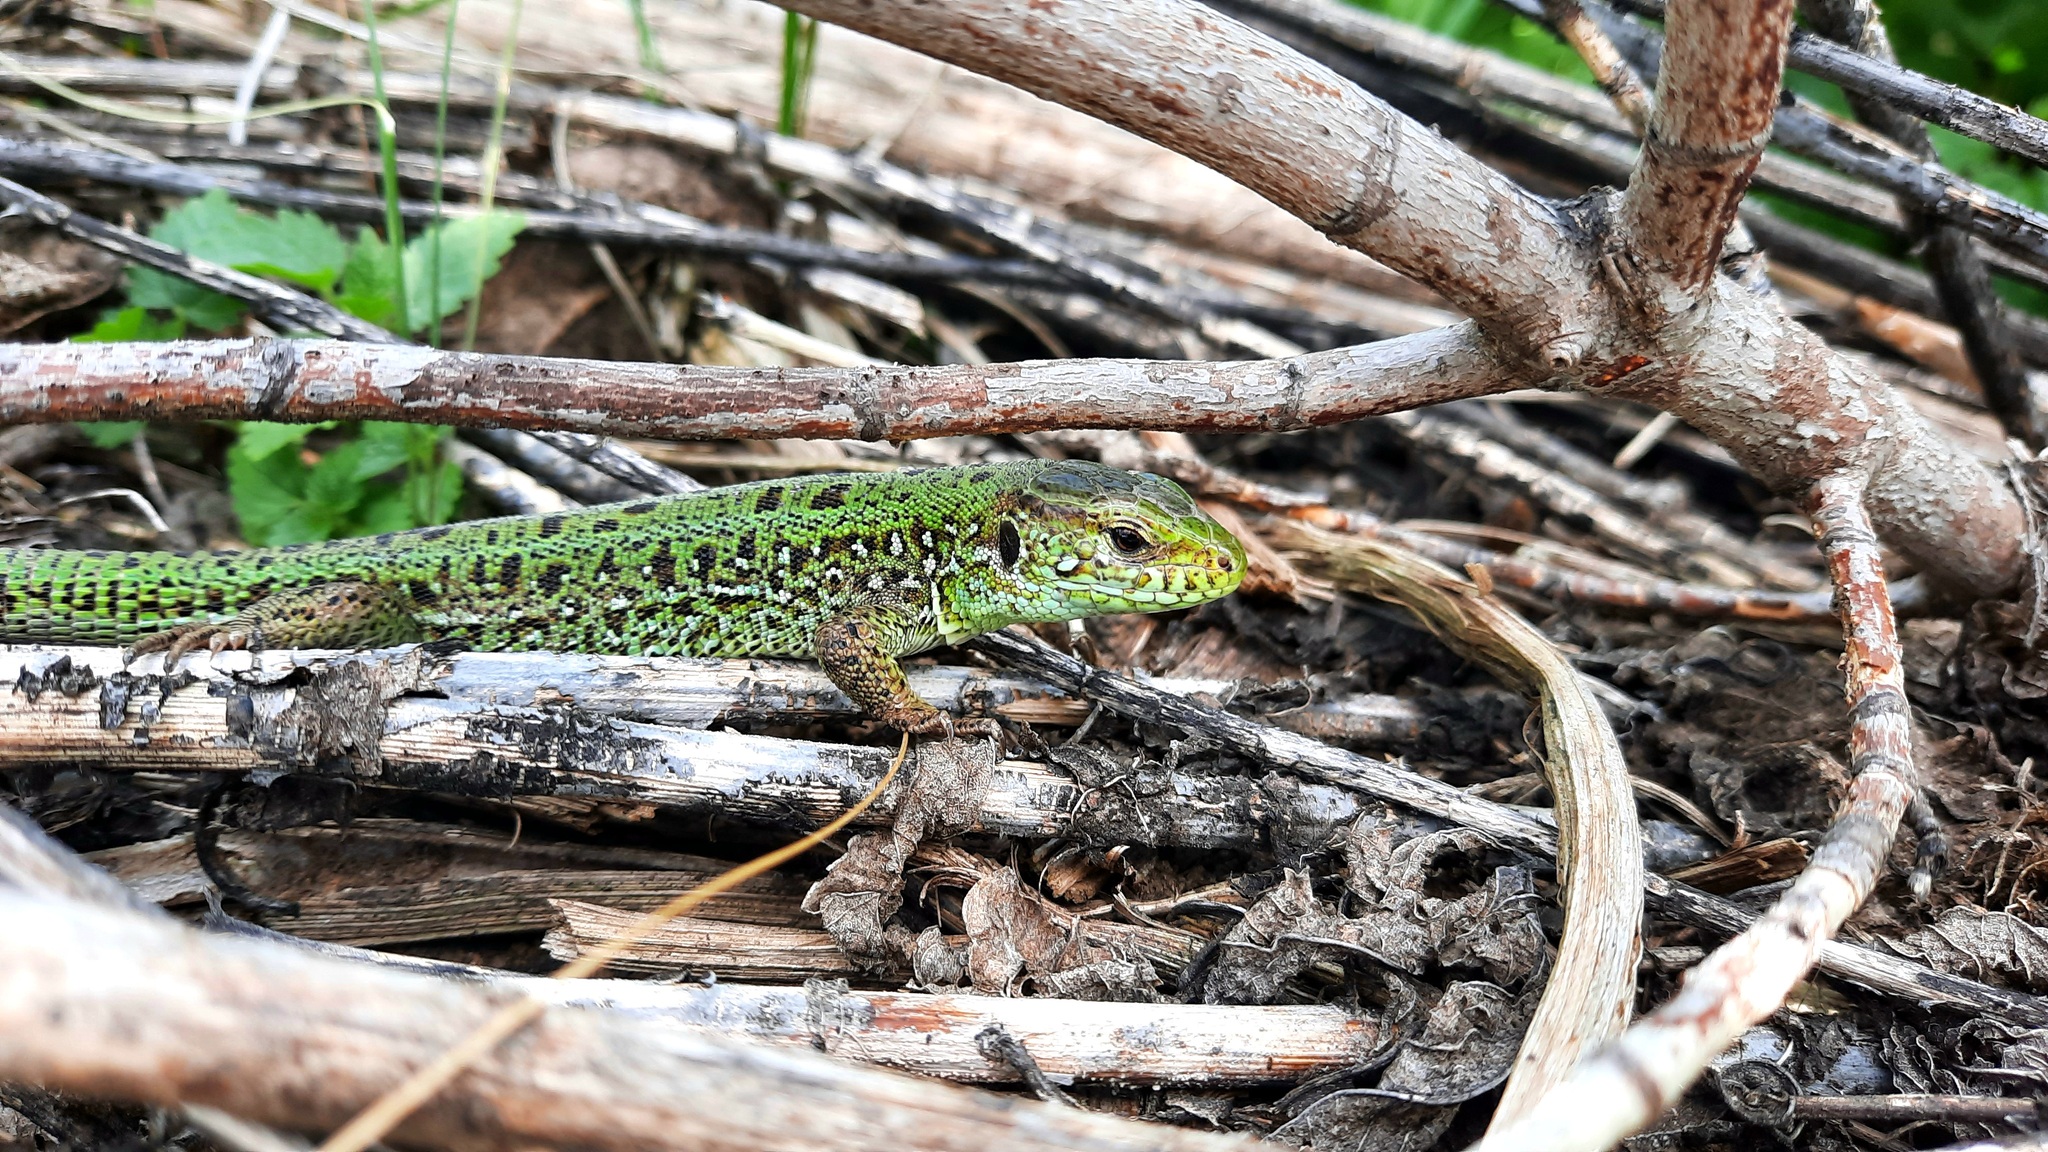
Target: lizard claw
[
  {"x": 977, "y": 727},
  {"x": 185, "y": 639},
  {"x": 929, "y": 721}
]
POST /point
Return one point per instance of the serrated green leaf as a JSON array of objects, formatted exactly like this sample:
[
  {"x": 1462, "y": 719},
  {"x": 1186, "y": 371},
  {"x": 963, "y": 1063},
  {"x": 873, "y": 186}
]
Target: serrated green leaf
[
  {"x": 111, "y": 433},
  {"x": 258, "y": 439},
  {"x": 131, "y": 323},
  {"x": 266, "y": 492},
  {"x": 380, "y": 454},
  {"x": 430, "y": 299},
  {"x": 420, "y": 442},
  {"x": 333, "y": 483},
  {"x": 292, "y": 245},
  {"x": 309, "y": 523},
  {"x": 396, "y": 432},
  {"x": 388, "y": 509},
  {"x": 369, "y": 290}
]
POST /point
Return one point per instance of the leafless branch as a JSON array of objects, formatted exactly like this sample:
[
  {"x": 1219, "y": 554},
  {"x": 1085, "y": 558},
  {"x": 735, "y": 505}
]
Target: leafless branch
[
  {"x": 1948, "y": 105},
  {"x": 1288, "y": 128},
  {"x": 1958, "y": 273},
  {"x": 1715, "y": 95},
  {"x": 312, "y": 381}
]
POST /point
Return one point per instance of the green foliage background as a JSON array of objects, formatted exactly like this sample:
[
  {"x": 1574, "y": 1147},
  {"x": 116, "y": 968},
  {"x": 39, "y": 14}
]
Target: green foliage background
[
  {"x": 363, "y": 479},
  {"x": 1998, "y": 48},
  {"x": 1995, "y": 47}
]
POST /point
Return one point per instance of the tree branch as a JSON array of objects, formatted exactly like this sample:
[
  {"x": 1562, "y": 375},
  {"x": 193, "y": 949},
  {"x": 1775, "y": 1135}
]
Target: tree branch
[
  {"x": 1715, "y": 95},
  {"x": 1959, "y": 274},
  {"x": 1954, "y": 108},
  {"x": 1286, "y": 127},
  {"x": 316, "y": 380}
]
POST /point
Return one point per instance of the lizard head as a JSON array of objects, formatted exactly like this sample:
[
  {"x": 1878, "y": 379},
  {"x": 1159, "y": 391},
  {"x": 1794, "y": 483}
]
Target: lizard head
[{"x": 1092, "y": 540}]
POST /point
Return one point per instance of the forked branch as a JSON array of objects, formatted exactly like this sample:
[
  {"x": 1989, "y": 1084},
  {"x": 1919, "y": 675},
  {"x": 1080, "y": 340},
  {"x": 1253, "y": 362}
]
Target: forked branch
[{"x": 1735, "y": 368}]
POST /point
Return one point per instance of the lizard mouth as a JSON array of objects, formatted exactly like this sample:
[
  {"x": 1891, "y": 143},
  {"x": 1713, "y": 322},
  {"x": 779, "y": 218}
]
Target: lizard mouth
[{"x": 1153, "y": 587}]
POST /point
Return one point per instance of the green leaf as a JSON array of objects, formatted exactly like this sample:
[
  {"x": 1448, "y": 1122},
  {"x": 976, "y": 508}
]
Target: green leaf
[
  {"x": 295, "y": 246},
  {"x": 470, "y": 250},
  {"x": 333, "y": 483},
  {"x": 368, "y": 289},
  {"x": 433, "y": 493},
  {"x": 380, "y": 454},
  {"x": 389, "y": 509},
  {"x": 267, "y": 492},
  {"x": 111, "y": 433},
  {"x": 258, "y": 439},
  {"x": 202, "y": 308},
  {"x": 132, "y": 323},
  {"x": 420, "y": 442},
  {"x": 292, "y": 245},
  {"x": 308, "y": 523}
]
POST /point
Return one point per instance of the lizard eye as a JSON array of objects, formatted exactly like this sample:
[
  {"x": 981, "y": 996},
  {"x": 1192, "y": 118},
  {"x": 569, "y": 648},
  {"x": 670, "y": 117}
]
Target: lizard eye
[{"x": 1127, "y": 540}]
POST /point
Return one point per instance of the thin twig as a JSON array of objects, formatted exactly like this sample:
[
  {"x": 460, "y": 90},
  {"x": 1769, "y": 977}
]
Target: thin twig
[
  {"x": 1948, "y": 105},
  {"x": 278, "y": 307}
]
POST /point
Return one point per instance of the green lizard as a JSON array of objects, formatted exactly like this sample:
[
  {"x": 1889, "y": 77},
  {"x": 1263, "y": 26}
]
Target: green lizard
[{"x": 855, "y": 570}]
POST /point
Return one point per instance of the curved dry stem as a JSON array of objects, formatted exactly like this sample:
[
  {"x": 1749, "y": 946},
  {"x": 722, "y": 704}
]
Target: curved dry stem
[
  {"x": 1621, "y": 1090},
  {"x": 1599, "y": 861},
  {"x": 1567, "y": 586}
]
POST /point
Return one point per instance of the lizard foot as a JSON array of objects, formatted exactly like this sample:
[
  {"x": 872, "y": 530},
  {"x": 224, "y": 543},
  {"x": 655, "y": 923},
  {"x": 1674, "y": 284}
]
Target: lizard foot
[
  {"x": 333, "y": 614},
  {"x": 929, "y": 721},
  {"x": 177, "y": 643}
]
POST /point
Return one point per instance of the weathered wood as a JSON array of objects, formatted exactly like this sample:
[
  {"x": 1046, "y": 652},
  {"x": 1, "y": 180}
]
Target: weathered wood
[{"x": 113, "y": 1005}]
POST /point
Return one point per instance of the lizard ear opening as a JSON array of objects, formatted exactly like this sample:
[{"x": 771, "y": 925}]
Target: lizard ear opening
[{"x": 1009, "y": 545}]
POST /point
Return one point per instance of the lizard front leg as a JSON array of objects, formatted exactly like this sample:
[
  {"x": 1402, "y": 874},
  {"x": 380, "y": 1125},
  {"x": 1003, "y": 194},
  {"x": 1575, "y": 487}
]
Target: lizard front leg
[
  {"x": 859, "y": 652},
  {"x": 336, "y": 614}
]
